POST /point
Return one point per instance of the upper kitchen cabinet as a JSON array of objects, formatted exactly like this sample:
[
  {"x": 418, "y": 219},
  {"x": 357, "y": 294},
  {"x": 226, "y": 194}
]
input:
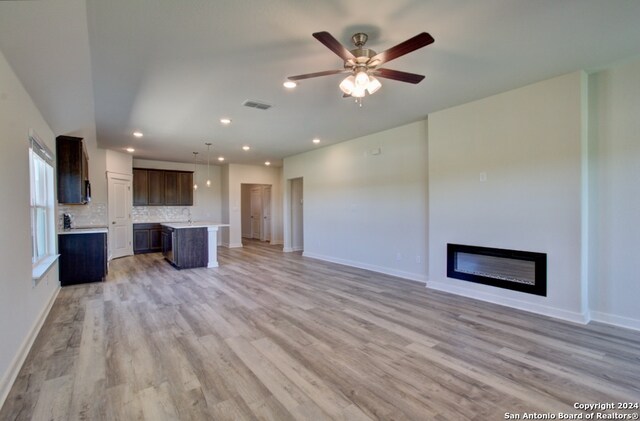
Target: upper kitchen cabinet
[
  {"x": 185, "y": 188},
  {"x": 156, "y": 187},
  {"x": 171, "y": 188},
  {"x": 153, "y": 187},
  {"x": 140, "y": 187},
  {"x": 72, "y": 171}
]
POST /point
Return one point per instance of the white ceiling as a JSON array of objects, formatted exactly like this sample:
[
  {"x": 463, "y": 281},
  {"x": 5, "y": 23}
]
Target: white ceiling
[{"x": 173, "y": 68}]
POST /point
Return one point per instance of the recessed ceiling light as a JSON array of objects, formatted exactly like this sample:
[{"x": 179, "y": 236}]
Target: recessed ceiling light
[
  {"x": 316, "y": 140},
  {"x": 267, "y": 163},
  {"x": 221, "y": 158},
  {"x": 225, "y": 121},
  {"x": 246, "y": 148},
  {"x": 130, "y": 150},
  {"x": 289, "y": 84},
  {"x": 138, "y": 133}
]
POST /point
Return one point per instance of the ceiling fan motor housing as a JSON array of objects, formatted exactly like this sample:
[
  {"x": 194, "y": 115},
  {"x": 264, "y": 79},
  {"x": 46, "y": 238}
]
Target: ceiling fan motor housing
[{"x": 363, "y": 55}]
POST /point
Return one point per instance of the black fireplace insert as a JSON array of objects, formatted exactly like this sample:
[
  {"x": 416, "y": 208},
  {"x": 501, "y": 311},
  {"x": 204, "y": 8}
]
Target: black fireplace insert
[{"x": 517, "y": 270}]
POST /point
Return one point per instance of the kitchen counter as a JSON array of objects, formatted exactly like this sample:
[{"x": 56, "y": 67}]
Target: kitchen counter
[
  {"x": 85, "y": 230},
  {"x": 194, "y": 224},
  {"x": 211, "y": 244}
]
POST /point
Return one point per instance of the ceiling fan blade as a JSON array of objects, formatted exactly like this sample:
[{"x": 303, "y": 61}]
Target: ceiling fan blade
[
  {"x": 317, "y": 74},
  {"x": 421, "y": 40},
  {"x": 398, "y": 75},
  {"x": 334, "y": 45},
  {"x": 346, "y": 96}
]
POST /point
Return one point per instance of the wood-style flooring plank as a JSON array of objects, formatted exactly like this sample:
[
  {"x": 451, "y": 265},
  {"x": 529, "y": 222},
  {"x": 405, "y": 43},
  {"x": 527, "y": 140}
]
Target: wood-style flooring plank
[{"x": 276, "y": 336}]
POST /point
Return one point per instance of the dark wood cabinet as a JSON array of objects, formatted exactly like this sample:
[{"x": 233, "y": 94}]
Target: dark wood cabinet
[
  {"x": 162, "y": 187},
  {"x": 185, "y": 247},
  {"x": 185, "y": 188},
  {"x": 156, "y": 187},
  {"x": 72, "y": 169},
  {"x": 147, "y": 238},
  {"x": 171, "y": 188},
  {"x": 140, "y": 187},
  {"x": 83, "y": 258}
]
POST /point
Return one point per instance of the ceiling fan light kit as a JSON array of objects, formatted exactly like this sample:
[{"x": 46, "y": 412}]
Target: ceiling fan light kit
[{"x": 362, "y": 64}]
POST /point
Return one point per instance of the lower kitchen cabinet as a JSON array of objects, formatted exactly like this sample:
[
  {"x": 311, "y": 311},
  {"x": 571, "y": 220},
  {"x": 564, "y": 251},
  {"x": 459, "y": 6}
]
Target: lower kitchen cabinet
[
  {"x": 83, "y": 257},
  {"x": 185, "y": 247},
  {"x": 147, "y": 238}
]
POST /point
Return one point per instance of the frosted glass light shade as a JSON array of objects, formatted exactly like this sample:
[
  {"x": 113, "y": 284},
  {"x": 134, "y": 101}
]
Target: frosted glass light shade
[
  {"x": 348, "y": 84},
  {"x": 374, "y": 85},
  {"x": 358, "y": 92},
  {"x": 362, "y": 79}
]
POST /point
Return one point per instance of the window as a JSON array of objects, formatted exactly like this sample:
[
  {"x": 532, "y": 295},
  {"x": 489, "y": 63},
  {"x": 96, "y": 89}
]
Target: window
[{"x": 42, "y": 206}]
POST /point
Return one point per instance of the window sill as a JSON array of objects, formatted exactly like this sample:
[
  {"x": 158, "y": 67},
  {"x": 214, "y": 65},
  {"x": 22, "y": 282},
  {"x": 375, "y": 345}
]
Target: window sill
[{"x": 41, "y": 269}]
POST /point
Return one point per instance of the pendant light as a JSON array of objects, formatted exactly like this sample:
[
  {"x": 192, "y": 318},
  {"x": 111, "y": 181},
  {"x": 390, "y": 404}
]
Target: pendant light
[
  {"x": 208, "y": 164},
  {"x": 195, "y": 170}
]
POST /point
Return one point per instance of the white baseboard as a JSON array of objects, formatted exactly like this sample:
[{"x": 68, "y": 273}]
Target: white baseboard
[
  {"x": 12, "y": 373},
  {"x": 555, "y": 312},
  {"x": 287, "y": 249},
  {"x": 234, "y": 245},
  {"x": 380, "y": 269},
  {"x": 612, "y": 319}
]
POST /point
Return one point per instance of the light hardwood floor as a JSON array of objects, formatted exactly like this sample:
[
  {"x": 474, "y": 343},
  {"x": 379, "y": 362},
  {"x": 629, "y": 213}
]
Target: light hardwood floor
[{"x": 276, "y": 336}]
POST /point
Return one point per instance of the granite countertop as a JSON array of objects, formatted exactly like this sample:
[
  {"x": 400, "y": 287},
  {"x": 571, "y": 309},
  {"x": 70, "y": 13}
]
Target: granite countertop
[
  {"x": 85, "y": 230},
  {"x": 194, "y": 224},
  {"x": 159, "y": 221}
]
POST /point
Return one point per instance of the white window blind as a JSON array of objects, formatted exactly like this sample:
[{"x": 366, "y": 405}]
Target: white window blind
[{"x": 42, "y": 200}]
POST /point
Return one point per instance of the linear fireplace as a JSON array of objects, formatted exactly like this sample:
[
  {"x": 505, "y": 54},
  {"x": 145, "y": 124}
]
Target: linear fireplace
[{"x": 523, "y": 271}]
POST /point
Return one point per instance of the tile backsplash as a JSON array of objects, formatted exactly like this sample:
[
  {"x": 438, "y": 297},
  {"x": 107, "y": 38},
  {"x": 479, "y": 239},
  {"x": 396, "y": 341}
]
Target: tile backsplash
[
  {"x": 90, "y": 215},
  {"x": 160, "y": 213},
  {"x": 97, "y": 214}
]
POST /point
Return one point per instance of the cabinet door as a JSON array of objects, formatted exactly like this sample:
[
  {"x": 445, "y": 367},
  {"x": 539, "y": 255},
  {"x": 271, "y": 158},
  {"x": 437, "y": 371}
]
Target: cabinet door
[
  {"x": 69, "y": 168},
  {"x": 185, "y": 188},
  {"x": 82, "y": 258},
  {"x": 155, "y": 239},
  {"x": 156, "y": 187},
  {"x": 192, "y": 248},
  {"x": 171, "y": 188},
  {"x": 141, "y": 241},
  {"x": 140, "y": 187}
]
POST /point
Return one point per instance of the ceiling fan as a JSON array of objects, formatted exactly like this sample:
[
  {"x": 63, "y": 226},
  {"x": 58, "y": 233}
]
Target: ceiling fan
[{"x": 362, "y": 63}]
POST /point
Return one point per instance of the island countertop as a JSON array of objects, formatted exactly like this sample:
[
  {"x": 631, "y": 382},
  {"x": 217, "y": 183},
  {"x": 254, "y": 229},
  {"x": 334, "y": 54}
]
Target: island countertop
[{"x": 194, "y": 224}]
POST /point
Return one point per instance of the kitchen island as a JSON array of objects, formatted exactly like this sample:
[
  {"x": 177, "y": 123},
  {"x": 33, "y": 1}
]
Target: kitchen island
[{"x": 191, "y": 244}]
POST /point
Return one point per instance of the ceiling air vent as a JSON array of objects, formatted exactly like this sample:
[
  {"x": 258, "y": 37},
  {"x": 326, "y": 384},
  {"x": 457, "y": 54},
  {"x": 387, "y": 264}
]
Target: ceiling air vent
[{"x": 256, "y": 104}]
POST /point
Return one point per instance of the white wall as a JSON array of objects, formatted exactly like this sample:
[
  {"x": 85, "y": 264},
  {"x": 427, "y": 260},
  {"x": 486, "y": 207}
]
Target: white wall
[
  {"x": 117, "y": 162},
  {"x": 528, "y": 141},
  {"x": 615, "y": 194},
  {"x": 364, "y": 209},
  {"x": 207, "y": 201},
  {"x": 23, "y": 305},
  {"x": 250, "y": 174}
]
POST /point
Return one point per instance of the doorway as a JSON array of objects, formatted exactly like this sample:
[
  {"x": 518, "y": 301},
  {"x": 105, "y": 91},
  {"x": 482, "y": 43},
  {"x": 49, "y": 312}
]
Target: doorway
[
  {"x": 120, "y": 226},
  {"x": 255, "y": 209},
  {"x": 297, "y": 223}
]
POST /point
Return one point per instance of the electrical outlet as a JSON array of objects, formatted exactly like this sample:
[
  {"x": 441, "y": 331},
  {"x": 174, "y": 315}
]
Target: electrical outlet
[
  {"x": 398, "y": 256},
  {"x": 418, "y": 259},
  {"x": 483, "y": 176}
]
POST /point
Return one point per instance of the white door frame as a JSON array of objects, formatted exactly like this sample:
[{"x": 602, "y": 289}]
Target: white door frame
[
  {"x": 111, "y": 179},
  {"x": 255, "y": 200},
  {"x": 296, "y": 214},
  {"x": 266, "y": 213}
]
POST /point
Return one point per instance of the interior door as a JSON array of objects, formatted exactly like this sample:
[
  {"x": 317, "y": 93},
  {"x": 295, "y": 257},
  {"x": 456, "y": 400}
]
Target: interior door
[
  {"x": 266, "y": 213},
  {"x": 256, "y": 212},
  {"x": 120, "y": 226}
]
